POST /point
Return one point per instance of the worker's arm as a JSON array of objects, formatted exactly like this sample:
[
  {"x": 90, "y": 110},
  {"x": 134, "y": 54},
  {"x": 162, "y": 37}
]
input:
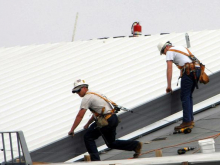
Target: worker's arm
[
  {"x": 169, "y": 76},
  {"x": 78, "y": 119},
  {"x": 89, "y": 122}
]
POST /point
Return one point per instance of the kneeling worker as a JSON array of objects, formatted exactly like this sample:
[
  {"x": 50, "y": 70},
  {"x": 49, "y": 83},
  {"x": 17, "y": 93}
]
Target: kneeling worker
[{"x": 99, "y": 105}]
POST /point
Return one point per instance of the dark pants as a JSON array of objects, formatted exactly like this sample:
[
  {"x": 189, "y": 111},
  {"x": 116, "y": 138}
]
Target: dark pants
[
  {"x": 109, "y": 133},
  {"x": 188, "y": 84}
]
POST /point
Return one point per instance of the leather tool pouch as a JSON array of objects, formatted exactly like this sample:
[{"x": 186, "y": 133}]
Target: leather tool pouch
[
  {"x": 189, "y": 67},
  {"x": 101, "y": 120},
  {"x": 204, "y": 78}
]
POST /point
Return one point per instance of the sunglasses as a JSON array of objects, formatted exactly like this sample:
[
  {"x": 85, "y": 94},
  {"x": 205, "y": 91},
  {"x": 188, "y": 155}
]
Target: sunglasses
[{"x": 78, "y": 90}]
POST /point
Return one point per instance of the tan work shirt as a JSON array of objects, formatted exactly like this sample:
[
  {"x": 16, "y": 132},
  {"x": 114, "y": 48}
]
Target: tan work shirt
[{"x": 95, "y": 103}]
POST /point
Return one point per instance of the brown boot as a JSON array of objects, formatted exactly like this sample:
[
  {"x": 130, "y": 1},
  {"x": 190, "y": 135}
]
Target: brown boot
[
  {"x": 184, "y": 125},
  {"x": 138, "y": 150}
]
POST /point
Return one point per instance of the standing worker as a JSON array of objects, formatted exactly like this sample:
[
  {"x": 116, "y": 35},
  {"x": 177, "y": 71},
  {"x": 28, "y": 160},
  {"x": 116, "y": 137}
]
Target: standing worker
[
  {"x": 100, "y": 106},
  {"x": 190, "y": 73}
]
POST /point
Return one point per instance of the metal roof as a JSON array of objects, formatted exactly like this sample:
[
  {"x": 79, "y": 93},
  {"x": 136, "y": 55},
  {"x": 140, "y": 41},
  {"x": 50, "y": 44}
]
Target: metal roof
[{"x": 36, "y": 80}]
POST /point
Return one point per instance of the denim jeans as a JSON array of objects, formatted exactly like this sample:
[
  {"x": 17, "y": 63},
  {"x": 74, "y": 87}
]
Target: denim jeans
[
  {"x": 188, "y": 84},
  {"x": 108, "y": 132}
]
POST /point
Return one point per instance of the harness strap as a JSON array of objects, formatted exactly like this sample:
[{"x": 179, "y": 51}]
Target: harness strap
[
  {"x": 189, "y": 51},
  {"x": 187, "y": 65},
  {"x": 190, "y": 55},
  {"x": 103, "y": 109},
  {"x": 107, "y": 100},
  {"x": 178, "y": 51}
]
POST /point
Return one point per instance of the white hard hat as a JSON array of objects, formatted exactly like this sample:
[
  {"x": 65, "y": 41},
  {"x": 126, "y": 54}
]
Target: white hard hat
[
  {"x": 78, "y": 84},
  {"x": 161, "y": 46}
]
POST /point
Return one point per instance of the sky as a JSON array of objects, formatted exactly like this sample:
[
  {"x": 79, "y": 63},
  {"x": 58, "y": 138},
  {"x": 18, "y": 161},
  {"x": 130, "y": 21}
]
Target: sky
[{"x": 29, "y": 22}]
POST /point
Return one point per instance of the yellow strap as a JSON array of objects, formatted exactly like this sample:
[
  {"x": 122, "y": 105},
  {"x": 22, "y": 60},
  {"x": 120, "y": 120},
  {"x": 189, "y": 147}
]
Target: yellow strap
[
  {"x": 178, "y": 51},
  {"x": 189, "y": 51},
  {"x": 103, "y": 110},
  {"x": 102, "y": 98}
]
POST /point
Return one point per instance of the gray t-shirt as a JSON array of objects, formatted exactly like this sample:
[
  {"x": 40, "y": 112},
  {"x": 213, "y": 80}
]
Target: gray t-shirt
[{"x": 96, "y": 103}]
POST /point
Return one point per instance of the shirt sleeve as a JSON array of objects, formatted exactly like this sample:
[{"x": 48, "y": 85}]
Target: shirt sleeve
[
  {"x": 169, "y": 56},
  {"x": 86, "y": 102}
]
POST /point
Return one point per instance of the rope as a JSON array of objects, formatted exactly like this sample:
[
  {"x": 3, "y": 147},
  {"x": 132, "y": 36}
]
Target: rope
[{"x": 213, "y": 136}]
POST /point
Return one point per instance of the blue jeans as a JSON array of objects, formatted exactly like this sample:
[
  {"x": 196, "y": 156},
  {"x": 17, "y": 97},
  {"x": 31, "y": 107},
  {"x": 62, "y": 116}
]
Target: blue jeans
[
  {"x": 109, "y": 133},
  {"x": 188, "y": 84}
]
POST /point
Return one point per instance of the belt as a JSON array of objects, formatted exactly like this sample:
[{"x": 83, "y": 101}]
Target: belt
[
  {"x": 188, "y": 68},
  {"x": 106, "y": 116}
]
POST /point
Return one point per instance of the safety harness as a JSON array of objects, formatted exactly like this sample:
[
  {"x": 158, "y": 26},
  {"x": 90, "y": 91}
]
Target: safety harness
[
  {"x": 108, "y": 115},
  {"x": 188, "y": 67}
]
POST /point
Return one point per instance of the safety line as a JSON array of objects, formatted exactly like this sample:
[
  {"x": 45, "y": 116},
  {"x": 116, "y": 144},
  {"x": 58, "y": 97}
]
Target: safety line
[{"x": 213, "y": 136}]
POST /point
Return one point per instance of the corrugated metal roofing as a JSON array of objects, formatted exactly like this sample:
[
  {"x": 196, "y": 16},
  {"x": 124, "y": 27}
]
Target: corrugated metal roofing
[{"x": 36, "y": 80}]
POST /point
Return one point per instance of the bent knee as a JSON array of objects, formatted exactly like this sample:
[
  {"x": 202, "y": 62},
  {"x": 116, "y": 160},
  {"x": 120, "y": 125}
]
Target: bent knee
[
  {"x": 110, "y": 145},
  {"x": 86, "y": 136}
]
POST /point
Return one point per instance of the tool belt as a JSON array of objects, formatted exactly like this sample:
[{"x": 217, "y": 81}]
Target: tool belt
[
  {"x": 102, "y": 119},
  {"x": 187, "y": 68},
  {"x": 106, "y": 116}
]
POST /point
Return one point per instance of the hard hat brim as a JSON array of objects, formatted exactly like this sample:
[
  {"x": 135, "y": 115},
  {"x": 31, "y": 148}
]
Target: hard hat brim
[
  {"x": 161, "y": 52},
  {"x": 74, "y": 90},
  {"x": 77, "y": 88},
  {"x": 164, "y": 46}
]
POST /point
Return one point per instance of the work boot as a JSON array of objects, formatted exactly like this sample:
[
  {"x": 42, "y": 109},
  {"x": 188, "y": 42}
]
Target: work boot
[
  {"x": 184, "y": 125},
  {"x": 138, "y": 150}
]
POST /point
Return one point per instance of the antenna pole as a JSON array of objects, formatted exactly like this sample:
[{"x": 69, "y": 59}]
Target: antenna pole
[{"x": 74, "y": 30}]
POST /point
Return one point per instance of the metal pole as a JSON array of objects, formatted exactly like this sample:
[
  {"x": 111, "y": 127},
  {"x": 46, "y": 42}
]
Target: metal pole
[
  {"x": 187, "y": 40},
  {"x": 3, "y": 143},
  {"x": 74, "y": 30},
  {"x": 25, "y": 152},
  {"x": 12, "y": 155},
  {"x": 19, "y": 151}
]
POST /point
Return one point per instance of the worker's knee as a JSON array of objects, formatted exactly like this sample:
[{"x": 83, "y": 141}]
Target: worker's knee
[
  {"x": 110, "y": 145},
  {"x": 90, "y": 136},
  {"x": 86, "y": 136}
]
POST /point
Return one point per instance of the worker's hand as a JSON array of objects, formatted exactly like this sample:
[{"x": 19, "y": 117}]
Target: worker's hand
[
  {"x": 86, "y": 126},
  {"x": 71, "y": 133},
  {"x": 169, "y": 90}
]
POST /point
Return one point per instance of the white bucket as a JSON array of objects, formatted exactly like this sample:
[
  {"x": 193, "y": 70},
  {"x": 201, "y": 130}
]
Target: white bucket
[{"x": 207, "y": 145}]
